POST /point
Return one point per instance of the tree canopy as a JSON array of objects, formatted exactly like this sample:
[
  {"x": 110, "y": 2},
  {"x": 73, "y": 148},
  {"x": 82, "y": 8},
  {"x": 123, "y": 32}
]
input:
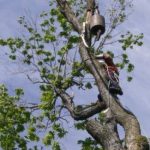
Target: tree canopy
[{"x": 54, "y": 51}]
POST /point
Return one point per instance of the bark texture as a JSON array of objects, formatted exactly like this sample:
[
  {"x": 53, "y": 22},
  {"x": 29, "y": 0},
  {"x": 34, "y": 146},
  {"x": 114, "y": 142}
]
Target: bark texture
[{"x": 105, "y": 133}]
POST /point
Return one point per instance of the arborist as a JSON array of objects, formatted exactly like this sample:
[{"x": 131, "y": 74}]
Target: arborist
[
  {"x": 95, "y": 24},
  {"x": 111, "y": 72}
]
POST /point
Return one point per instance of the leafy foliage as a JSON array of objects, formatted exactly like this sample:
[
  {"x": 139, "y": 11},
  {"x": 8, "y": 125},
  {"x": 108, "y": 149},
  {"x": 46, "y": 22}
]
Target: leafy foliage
[
  {"x": 12, "y": 120},
  {"x": 89, "y": 144},
  {"x": 51, "y": 49},
  {"x": 19, "y": 126}
]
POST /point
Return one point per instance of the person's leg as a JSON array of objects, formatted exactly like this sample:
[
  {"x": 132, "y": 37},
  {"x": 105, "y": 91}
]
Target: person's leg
[
  {"x": 113, "y": 84},
  {"x": 114, "y": 88},
  {"x": 99, "y": 97}
]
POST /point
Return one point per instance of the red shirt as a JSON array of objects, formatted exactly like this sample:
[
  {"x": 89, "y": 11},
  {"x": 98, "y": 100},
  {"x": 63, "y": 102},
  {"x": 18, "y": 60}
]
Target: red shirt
[{"x": 110, "y": 64}]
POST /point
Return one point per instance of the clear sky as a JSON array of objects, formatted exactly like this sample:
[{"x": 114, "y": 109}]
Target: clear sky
[{"x": 136, "y": 94}]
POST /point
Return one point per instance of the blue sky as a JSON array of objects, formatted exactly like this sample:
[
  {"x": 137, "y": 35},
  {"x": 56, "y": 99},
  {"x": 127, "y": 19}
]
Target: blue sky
[{"x": 136, "y": 94}]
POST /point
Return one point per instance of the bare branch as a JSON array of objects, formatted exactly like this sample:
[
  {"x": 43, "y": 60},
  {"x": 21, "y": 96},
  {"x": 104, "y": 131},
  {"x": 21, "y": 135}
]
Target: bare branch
[
  {"x": 80, "y": 113},
  {"x": 83, "y": 113}
]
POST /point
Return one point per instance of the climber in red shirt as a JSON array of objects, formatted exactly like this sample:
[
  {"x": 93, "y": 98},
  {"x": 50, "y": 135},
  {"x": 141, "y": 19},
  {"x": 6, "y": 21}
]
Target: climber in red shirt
[{"x": 112, "y": 73}]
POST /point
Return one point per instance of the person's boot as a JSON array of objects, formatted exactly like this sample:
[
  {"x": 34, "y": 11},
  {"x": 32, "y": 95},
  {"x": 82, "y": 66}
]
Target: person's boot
[
  {"x": 114, "y": 88},
  {"x": 99, "y": 97}
]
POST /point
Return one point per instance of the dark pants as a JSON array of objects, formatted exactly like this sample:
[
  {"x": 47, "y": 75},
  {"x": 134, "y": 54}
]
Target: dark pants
[{"x": 113, "y": 83}]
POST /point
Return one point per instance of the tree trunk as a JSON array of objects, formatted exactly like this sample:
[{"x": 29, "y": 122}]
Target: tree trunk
[{"x": 106, "y": 134}]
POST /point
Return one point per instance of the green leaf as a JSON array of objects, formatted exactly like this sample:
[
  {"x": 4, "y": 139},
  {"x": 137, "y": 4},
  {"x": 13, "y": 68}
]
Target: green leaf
[
  {"x": 60, "y": 131},
  {"x": 74, "y": 39},
  {"x": 48, "y": 138},
  {"x": 54, "y": 12},
  {"x": 129, "y": 78},
  {"x": 80, "y": 125},
  {"x": 125, "y": 56},
  {"x": 19, "y": 92},
  {"x": 20, "y": 128},
  {"x": 56, "y": 146},
  {"x": 88, "y": 85},
  {"x": 47, "y": 96},
  {"x": 13, "y": 57},
  {"x": 130, "y": 67}
]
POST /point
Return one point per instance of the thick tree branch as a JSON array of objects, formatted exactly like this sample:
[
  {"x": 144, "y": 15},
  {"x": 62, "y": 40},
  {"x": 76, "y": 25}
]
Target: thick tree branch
[
  {"x": 106, "y": 134},
  {"x": 90, "y": 4},
  {"x": 123, "y": 117},
  {"x": 81, "y": 113},
  {"x": 69, "y": 14},
  {"x": 88, "y": 111}
]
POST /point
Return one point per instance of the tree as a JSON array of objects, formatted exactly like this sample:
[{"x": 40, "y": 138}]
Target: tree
[{"x": 61, "y": 62}]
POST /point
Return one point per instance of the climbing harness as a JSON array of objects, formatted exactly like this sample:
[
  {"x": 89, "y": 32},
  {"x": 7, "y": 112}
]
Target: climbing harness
[
  {"x": 84, "y": 31},
  {"x": 114, "y": 74}
]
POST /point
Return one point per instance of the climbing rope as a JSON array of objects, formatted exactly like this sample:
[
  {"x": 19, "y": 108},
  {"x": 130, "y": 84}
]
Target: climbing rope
[{"x": 83, "y": 34}]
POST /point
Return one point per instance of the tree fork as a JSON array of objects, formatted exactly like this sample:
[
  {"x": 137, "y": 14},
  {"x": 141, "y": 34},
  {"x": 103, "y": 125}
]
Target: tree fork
[
  {"x": 80, "y": 113},
  {"x": 105, "y": 132}
]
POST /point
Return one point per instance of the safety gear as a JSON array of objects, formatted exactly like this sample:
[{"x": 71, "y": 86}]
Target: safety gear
[
  {"x": 83, "y": 35},
  {"x": 97, "y": 24}
]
